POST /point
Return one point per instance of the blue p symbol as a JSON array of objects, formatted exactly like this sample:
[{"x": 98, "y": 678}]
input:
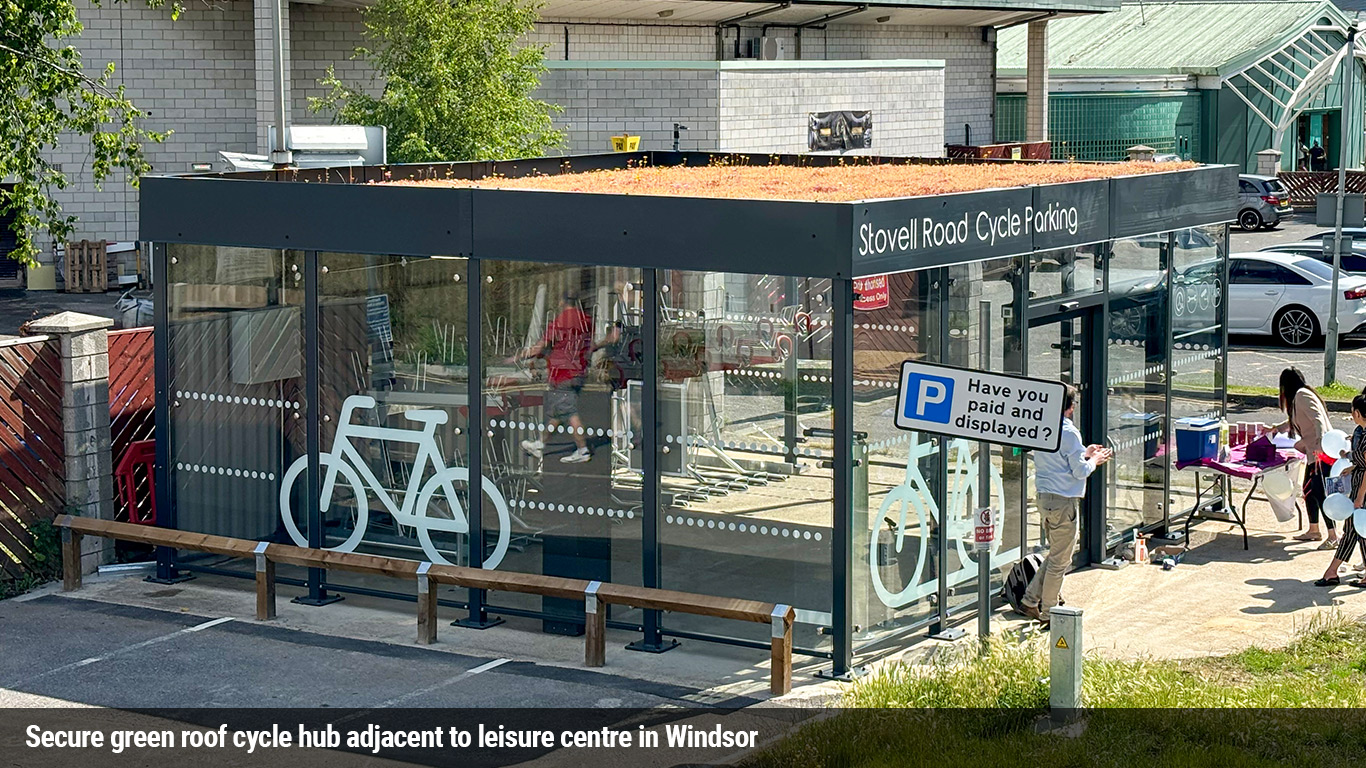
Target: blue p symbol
[{"x": 929, "y": 398}]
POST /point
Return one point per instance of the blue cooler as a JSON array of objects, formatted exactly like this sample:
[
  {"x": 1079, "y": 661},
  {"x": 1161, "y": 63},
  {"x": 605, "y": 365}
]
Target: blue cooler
[{"x": 1196, "y": 439}]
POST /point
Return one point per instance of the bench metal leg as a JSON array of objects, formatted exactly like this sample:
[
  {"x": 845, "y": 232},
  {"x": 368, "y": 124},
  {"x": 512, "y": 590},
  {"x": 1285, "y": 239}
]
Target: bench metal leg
[
  {"x": 71, "y": 560},
  {"x": 426, "y": 607},
  {"x": 265, "y": 584},
  {"x": 780, "y": 667},
  {"x": 595, "y": 627}
]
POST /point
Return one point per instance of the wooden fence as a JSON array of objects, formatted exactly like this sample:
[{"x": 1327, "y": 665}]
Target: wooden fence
[
  {"x": 1305, "y": 186},
  {"x": 32, "y": 472},
  {"x": 132, "y": 402}
]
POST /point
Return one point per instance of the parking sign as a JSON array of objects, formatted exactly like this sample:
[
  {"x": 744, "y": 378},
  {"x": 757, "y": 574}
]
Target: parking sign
[{"x": 1007, "y": 410}]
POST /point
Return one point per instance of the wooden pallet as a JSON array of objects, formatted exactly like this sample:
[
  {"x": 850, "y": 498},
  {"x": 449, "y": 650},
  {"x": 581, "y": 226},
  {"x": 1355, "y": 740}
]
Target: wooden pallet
[{"x": 87, "y": 267}]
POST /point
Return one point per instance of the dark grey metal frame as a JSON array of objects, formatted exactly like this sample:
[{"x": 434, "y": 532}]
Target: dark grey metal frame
[{"x": 795, "y": 239}]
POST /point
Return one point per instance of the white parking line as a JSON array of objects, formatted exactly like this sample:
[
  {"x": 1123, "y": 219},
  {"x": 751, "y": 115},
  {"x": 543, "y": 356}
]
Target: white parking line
[{"x": 127, "y": 649}]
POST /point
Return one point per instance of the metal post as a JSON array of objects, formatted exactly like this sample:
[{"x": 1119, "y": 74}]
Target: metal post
[
  {"x": 317, "y": 590},
  {"x": 984, "y": 482},
  {"x": 940, "y": 629},
  {"x": 842, "y": 534},
  {"x": 166, "y": 572},
  {"x": 791, "y": 374},
  {"x": 281, "y": 156},
  {"x": 652, "y": 639},
  {"x": 1064, "y": 660},
  {"x": 475, "y": 439},
  {"x": 1330, "y": 355}
]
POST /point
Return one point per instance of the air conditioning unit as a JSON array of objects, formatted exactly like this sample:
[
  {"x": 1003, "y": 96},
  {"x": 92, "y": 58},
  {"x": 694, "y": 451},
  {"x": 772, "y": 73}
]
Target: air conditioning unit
[{"x": 773, "y": 49}]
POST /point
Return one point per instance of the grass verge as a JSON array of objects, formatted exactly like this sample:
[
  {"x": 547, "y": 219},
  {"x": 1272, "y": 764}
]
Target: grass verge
[
  {"x": 1337, "y": 391},
  {"x": 1231, "y": 710}
]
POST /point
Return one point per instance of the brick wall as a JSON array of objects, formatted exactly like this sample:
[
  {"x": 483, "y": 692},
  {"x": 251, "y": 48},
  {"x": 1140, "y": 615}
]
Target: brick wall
[
  {"x": 748, "y": 111},
  {"x": 767, "y": 110},
  {"x": 645, "y": 102},
  {"x": 320, "y": 36},
  {"x": 194, "y": 75}
]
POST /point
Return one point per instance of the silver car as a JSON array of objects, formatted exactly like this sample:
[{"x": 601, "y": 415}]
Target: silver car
[{"x": 1262, "y": 201}]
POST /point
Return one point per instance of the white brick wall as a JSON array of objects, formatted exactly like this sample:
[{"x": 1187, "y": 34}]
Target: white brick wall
[
  {"x": 601, "y": 103},
  {"x": 745, "y": 111},
  {"x": 320, "y": 36},
  {"x": 767, "y": 110},
  {"x": 194, "y": 75}
]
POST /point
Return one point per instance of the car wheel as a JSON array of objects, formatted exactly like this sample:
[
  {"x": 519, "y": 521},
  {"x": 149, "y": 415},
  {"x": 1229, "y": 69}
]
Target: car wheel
[
  {"x": 1249, "y": 220},
  {"x": 1295, "y": 326}
]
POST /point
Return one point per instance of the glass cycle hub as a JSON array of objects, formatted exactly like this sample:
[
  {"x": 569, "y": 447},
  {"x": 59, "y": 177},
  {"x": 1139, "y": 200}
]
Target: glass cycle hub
[{"x": 674, "y": 369}]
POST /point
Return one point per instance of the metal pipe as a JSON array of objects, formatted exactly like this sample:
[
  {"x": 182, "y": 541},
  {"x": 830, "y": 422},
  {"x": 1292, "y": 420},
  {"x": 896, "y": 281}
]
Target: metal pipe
[
  {"x": 281, "y": 156},
  {"x": 1330, "y": 356}
]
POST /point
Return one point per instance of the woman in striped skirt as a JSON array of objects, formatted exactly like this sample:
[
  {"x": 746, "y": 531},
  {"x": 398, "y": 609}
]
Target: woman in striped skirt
[{"x": 1350, "y": 538}]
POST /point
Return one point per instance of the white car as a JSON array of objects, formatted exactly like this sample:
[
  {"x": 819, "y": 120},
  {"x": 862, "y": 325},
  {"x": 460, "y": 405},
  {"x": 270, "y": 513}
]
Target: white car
[{"x": 1287, "y": 296}]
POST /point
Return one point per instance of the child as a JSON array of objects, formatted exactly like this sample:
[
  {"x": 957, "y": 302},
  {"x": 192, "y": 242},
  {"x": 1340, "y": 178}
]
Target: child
[{"x": 1350, "y": 537}]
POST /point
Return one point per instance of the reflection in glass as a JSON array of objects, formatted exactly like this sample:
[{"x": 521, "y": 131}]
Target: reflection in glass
[
  {"x": 745, "y": 444},
  {"x": 1197, "y": 370},
  {"x": 1137, "y": 383}
]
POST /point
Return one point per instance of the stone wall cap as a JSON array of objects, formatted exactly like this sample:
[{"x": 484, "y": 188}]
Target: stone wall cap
[{"x": 68, "y": 322}]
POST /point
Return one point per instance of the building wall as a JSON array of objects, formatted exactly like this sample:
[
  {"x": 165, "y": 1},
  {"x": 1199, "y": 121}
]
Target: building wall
[
  {"x": 1101, "y": 126},
  {"x": 206, "y": 76},
  {"x": 969, "y": 69},
  {"x": 766, "y": 110},
  {"x": 600, "y": 103},
  {"x": 194, "y": 76}
]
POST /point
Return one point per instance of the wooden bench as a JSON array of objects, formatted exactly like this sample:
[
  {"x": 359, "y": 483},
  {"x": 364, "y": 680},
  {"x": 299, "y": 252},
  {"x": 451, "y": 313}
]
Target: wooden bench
[{"x": 594, "y": 594}]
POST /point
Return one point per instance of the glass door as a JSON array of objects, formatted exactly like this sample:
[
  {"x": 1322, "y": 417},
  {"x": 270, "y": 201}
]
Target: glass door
[{"x": 1057, "y": 351}]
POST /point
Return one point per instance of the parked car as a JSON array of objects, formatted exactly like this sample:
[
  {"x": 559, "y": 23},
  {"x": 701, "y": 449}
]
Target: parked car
[
  {"x": 1287, "y": 296},
  {"x": 1262, "y": 201},
  {"x": 1356, "y": 233},
  {"x": 1352, "y": 263}
]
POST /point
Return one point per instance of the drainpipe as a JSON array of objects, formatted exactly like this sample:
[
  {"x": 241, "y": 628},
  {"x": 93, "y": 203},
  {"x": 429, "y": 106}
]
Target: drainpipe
[{"x": 281, "y": 156}]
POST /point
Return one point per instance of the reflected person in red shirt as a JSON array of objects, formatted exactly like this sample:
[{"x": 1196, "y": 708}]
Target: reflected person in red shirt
[{"x": 566, "y": 345}]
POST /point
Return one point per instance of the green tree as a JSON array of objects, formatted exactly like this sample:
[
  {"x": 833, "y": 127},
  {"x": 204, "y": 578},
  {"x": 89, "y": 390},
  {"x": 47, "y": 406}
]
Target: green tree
[
  {"x": 457, "y": 81},
  {"x": 45, "y": 98}
]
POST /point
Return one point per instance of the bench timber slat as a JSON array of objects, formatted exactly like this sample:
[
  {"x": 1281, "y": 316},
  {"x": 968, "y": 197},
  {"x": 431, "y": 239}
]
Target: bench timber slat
[{"x": 593, "y": 593}]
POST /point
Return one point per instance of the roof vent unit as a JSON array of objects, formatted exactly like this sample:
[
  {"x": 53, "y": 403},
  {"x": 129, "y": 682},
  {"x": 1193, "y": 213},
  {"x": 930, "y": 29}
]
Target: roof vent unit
[
  {"x": 773, "y": 49},
  {"x": 318, "y": 146}
]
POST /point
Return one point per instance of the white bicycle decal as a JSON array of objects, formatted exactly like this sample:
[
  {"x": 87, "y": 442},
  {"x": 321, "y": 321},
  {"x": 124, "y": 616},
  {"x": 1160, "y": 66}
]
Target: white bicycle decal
[
  {"x": 345, "y": 460},
  {"x": 914, "y": 493}
]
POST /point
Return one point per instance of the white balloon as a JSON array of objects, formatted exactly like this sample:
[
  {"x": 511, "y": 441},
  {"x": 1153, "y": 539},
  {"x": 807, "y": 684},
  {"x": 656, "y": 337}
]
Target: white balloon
[
  {"x": 1359, "y": 519},
  {"x": 1338, "y": 507},
  {"x": 1335, "y": 443},
  {"x": 1339, "y": 467}
]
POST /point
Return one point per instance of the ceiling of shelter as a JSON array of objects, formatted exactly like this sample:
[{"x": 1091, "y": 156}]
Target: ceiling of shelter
[{"x": 974, "y": 13}]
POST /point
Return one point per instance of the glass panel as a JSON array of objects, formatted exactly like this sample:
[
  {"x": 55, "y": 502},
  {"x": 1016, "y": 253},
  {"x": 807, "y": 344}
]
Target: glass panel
[
  {"x": 982, "y": 297},
  {"x": 745, "y": 414},
  {"x": 896, "y": 520},
  {"x": 1197, "y": 372},
  {"x": 1137, "y": 378},
  {"x": 237, "y": 386},
  {"x": 562, "y": 355},
  {"x": 1065, "y": 272},
  {"x": 393, "y": 401}
]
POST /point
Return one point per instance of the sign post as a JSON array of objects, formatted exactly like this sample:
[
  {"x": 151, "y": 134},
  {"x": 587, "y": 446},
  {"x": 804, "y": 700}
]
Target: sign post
[
  {"x": 985, "y": 530},
  {"x": 987, "y": 407}
]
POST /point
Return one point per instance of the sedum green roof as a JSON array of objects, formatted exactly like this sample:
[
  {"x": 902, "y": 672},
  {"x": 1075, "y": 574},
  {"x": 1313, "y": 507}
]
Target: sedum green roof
[{"x": 1182, "y": 38}]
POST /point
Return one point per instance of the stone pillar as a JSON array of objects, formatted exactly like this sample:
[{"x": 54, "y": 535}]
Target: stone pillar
[
  {"x": 263, "y": 13},
  {"x": 1268, "y": 162},
  {"x": 87, "y": 449},
  {"x": 1036, "y": 83}
]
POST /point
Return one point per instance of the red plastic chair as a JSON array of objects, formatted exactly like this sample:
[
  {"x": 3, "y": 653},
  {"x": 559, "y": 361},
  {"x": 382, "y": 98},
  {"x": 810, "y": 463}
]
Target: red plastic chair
[{"x": 142, "y": 452}]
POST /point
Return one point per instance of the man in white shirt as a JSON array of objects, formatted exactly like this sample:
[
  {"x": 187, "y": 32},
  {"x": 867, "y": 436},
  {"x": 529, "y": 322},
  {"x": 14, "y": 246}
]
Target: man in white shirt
[{"x": 1060, "y": 479}]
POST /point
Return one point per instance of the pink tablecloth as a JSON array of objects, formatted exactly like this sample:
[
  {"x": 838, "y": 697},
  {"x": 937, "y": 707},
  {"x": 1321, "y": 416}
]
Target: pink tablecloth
[{"x": 1238, "y": 465}]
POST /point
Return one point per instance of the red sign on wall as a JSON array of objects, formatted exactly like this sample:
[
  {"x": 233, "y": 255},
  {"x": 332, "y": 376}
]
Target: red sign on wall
[{"x": 872, "y": 292}]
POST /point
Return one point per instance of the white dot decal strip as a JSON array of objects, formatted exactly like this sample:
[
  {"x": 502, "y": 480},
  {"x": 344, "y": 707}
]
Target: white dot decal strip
[{"x": 205, "y": 469}]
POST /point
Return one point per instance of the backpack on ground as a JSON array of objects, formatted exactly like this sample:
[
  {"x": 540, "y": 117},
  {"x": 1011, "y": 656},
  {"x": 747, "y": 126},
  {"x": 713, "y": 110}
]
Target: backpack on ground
[{"x": 1017, "y": 581}]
